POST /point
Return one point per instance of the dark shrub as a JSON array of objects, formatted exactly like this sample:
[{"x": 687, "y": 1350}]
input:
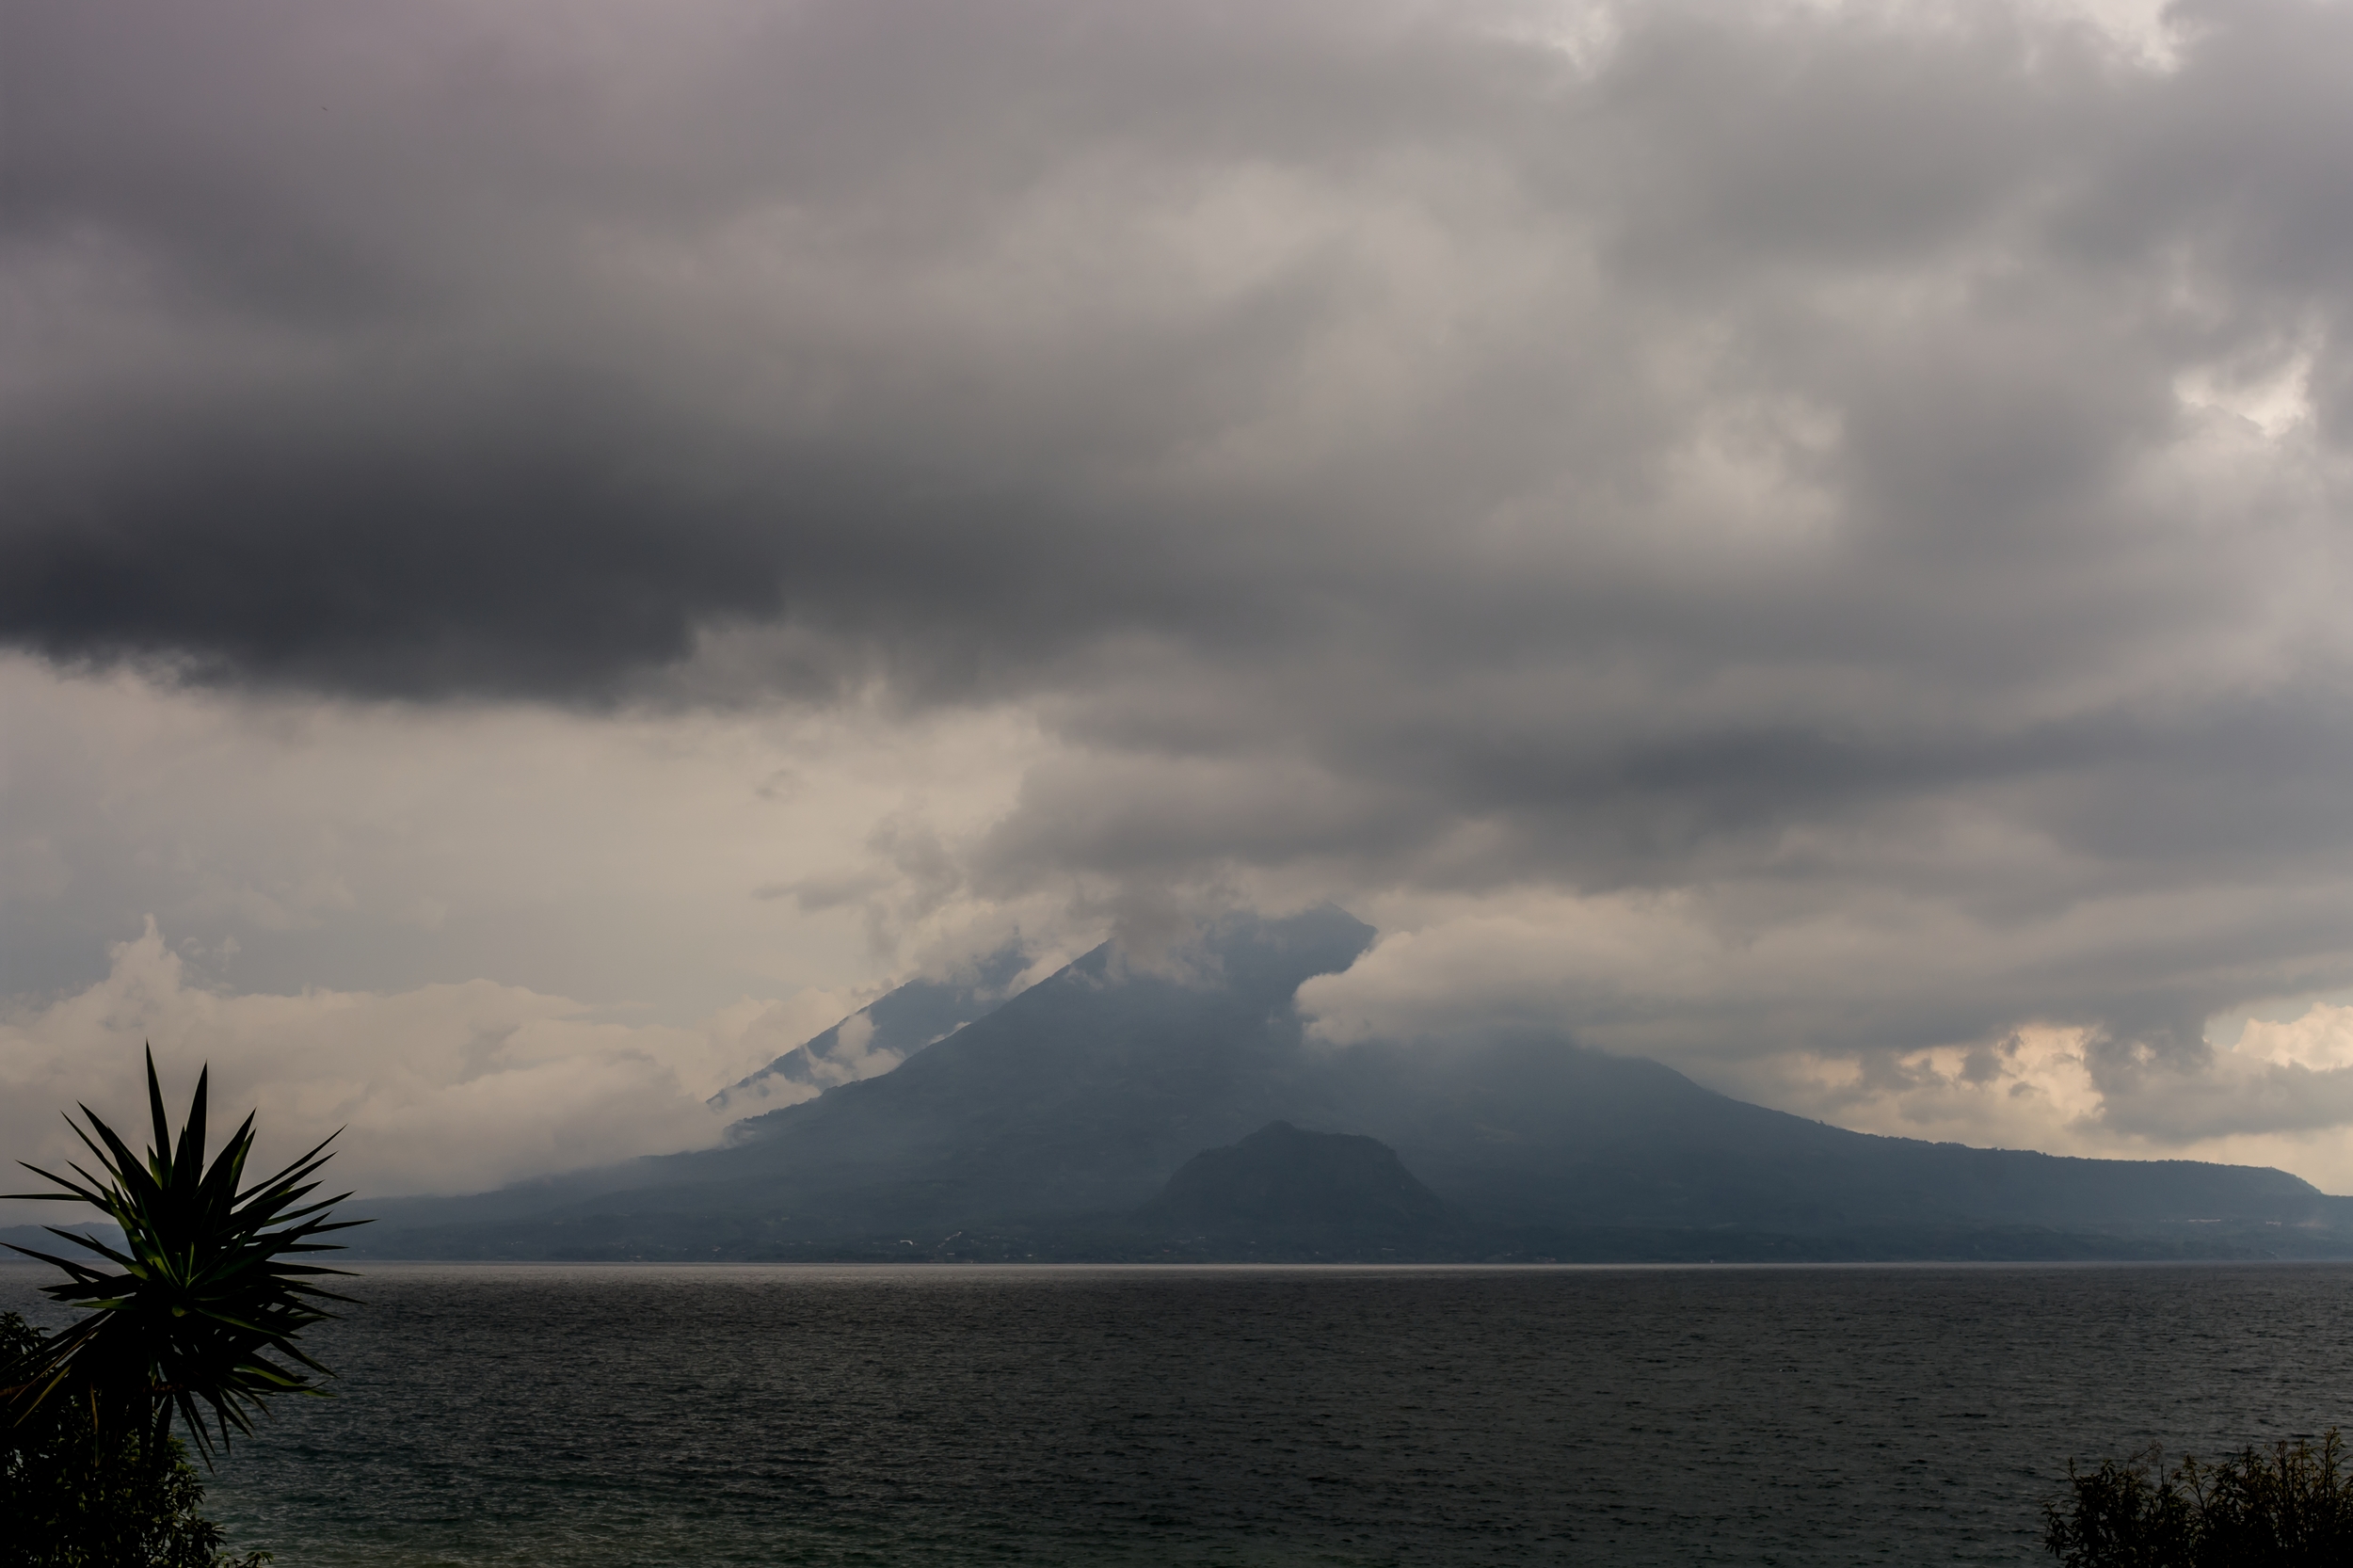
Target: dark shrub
[
  {"x": 2289, "y": 1506},
  {"x": 73, "y": 1497}
]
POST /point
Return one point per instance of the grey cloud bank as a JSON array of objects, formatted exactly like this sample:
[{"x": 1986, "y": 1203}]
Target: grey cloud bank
[{"x": 1766, "y": 535}]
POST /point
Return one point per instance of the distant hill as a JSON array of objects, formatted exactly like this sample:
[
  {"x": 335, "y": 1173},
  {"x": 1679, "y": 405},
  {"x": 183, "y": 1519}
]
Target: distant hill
[
  {"x": 1530, "y": 1132},
  {"x": 1042, "y": 1127},
  {"x": 1282, "y": 1191},
  {"x": 38, "y": 1239}
]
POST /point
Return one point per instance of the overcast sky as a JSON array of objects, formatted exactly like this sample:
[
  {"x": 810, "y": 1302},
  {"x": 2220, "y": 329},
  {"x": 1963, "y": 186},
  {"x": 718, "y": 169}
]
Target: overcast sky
[{"x": 551, "y": 548}]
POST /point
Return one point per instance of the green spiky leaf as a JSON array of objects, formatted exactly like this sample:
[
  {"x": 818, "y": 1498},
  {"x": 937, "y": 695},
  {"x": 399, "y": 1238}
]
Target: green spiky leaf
[{"x": 198, "y": 1314}]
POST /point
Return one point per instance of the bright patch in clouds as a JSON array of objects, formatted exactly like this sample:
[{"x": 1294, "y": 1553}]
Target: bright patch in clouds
[
  {"x": 2037, "y": 1088},
  {"x": 1808, "y": 1013}
]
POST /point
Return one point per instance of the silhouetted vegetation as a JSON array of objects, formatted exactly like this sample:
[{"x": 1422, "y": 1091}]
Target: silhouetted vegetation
[
  {"x": 74, "y": 1496},
  {"x": 196, "y": 1316},
  {"x": 2289, "y": 1506}
]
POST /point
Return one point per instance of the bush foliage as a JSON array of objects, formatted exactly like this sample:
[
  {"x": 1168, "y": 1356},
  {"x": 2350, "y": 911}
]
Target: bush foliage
[
  {"x": 2289, "y": 1505},
  {"x": 74, "y": 1496}
]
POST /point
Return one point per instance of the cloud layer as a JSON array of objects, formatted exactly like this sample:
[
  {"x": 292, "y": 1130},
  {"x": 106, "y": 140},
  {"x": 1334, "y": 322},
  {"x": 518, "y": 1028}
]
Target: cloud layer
[
  {"x": 451, "y": 1088},
  {"x": 1731, "y": 530}
]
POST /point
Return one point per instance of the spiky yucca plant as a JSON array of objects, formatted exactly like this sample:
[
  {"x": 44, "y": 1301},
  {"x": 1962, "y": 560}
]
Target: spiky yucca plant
[{"x": 198, "y": 1314}]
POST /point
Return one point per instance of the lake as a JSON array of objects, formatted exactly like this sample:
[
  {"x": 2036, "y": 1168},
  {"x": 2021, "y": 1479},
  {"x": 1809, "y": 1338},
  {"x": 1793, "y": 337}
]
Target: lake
[{"x": 561, "y": 1416}]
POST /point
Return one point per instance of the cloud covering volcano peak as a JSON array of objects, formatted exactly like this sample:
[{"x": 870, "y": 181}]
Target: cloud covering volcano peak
[{"x": 1819, "y": 529}]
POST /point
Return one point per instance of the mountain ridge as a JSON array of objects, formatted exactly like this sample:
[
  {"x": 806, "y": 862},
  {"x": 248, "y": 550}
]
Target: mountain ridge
[
  {"x": 1049, "y": 1120},
  {"x": 880, "y": 1036}
]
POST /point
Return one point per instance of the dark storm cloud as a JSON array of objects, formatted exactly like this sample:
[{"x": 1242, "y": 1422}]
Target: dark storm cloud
[
  {"x": 1392, "y": 447},
  {"x": 427, "y": 352},
  {"x": 431, "y": 357}
]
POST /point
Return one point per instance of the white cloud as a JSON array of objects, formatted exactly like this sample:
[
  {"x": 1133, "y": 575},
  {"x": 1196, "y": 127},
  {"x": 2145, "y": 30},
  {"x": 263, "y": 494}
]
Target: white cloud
[
  {"x": 2321, "y": 1038},
  {"x": 445, "y": 1088},
  {"x": 2035, "y": 1088},
  {"x": 1910, "y": 1017}
]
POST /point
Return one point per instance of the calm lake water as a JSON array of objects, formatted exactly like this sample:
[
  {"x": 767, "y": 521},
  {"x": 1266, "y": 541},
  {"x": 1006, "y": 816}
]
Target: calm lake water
[{"x": 608, "y": 1416}]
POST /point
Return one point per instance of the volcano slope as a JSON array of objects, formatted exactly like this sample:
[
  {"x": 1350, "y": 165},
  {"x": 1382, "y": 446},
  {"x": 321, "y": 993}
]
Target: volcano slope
[{"x": 1042, "y": 1128}]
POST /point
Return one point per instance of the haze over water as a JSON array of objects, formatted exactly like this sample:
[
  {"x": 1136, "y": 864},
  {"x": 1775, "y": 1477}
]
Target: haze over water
[{"x": 593, "y": 1415}]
